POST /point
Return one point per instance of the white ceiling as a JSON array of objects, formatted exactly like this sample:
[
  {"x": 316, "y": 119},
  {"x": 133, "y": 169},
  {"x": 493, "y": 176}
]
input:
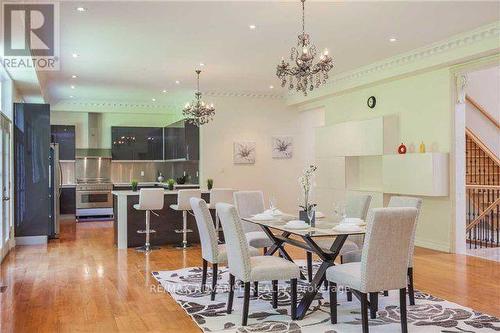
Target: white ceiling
[{"x": 131, "y": 51}]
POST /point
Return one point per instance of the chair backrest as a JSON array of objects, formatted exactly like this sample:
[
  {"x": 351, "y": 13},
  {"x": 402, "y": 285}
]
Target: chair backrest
[
  {"x": 238, "y": 257},
  {"x": 208, "y": 235},
  {"x": 249, "y": 203},
  {"x": 384, "y": 259},
  {"x": 183, "y": 197},
  {"x": 151, "y": 198},
  {"x": 401, "y": 201},
  {"x": 221, "y": 195},
  {"x": 357, "y": 206}
]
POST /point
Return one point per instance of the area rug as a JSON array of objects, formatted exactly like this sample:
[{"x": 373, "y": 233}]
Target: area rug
[{"x": 429, "y": 314}]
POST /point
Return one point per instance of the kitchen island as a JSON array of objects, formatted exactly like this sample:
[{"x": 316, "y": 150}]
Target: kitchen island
[{"x": 128, "y": 220}]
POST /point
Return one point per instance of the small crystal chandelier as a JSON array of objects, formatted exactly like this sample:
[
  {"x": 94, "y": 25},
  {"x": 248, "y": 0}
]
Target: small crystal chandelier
[
  {"x": 305, "y": 74},
  {"x": 197, "y": 112}
]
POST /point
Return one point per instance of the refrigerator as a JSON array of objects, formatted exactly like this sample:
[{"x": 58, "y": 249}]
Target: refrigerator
[{"x": 55, "y": 179}]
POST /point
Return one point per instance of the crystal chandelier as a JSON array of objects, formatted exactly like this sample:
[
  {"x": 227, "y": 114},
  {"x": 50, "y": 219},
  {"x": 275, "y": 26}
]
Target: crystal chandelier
[
  {"x": 305, "y": 74},
  {"x": 197, "y": 112}
]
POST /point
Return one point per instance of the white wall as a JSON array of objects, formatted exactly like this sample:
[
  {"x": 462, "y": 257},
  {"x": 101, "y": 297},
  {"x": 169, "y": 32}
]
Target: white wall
[
  {"x": 258, "y": 119},
  {"x": 484, "y": 88}
]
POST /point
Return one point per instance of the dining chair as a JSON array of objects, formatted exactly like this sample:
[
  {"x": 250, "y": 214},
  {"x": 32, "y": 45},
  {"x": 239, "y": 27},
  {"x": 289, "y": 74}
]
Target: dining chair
[
  {"x": 397, "y": 201},
  {"x": 220, "y": 195},
  {"x": 356, "y": 207},
  {"x": 211, "y": 251},
  {"x": 384, "y": 262},
  {"x": 259, "y": 268},
  {"x": 249, "y": 203}
]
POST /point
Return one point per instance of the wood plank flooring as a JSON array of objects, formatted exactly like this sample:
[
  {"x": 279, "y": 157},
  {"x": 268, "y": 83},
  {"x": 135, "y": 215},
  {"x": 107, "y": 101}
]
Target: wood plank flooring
[{"x": 81, "y": 282}]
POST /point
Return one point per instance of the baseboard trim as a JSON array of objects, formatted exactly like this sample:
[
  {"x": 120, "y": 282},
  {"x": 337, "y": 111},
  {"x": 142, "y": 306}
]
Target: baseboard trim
[
  {"x": 433, "y": 245},
  {"x": 31, "y": 240}
]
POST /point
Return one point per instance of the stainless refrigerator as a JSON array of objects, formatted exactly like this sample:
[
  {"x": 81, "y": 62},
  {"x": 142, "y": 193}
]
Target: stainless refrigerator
[{"x": 55, "y": 179}]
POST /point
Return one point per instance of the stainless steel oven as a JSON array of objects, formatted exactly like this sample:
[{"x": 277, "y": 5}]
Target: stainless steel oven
[{"x": 94, "y": 199}]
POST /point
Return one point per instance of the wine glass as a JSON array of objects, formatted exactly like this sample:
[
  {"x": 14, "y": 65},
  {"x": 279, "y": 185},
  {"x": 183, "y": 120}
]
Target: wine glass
[
  {"x": 272, "y": 203},
  {"x": 310, "y": 214}
]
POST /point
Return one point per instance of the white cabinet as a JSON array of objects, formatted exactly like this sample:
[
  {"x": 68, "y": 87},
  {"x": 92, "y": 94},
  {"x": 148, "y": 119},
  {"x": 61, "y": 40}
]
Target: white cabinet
[{"x": 424, "y": 174}]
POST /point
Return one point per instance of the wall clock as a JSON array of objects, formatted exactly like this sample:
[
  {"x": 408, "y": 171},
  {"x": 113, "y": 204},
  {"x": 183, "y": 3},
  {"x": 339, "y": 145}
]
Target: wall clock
[{"x": 371, "y": 102}]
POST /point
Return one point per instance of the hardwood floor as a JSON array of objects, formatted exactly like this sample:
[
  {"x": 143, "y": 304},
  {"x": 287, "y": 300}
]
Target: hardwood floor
[{"x": 81, "y": 282}]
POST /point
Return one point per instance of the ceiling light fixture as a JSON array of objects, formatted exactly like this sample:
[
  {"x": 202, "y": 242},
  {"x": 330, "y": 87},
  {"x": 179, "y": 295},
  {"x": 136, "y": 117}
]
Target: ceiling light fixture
[
  {"x": 392, "y": 39},
  {"x": 81, "y": 9},
  {"x": 252, "y": 26},
  {"x": 305, "y": 73},
  {"x": 74, "y": 76},
  {"x": 153, "y": 99},
  {"x": 75, "y": 55},
  {"x": 164, "y": 91},
  {"x": 72, "y": 87},
  {"x": 177, "y": 82},
  {"x": 71, "y": 96},
  {"x": 271, "y": 87},
  {"x": 197, "y": 112}
]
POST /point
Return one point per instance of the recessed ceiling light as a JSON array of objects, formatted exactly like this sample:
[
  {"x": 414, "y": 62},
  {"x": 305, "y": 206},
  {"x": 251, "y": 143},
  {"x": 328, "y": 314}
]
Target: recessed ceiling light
[
  {"x": 164, "y": 91},
  {"x": 153, "y": 99},
  {"x": 72, "y": 87},
  {"x": 177, "y": 82},
  {"x": 202, "y": 64},
  {"x": 75, "y": 55},
  {"x": 392, "y": 39},
  {"x": 74, "y": 76},
  {"x": 271, "y": 87},
  {"x": 81, "y": 9},
  {"x": 252, "y": 26},
  {"x": 71, "y": 96}
]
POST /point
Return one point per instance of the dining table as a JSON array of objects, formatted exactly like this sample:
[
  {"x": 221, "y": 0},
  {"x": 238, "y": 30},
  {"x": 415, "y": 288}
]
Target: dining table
[{"x": 306, "y": 238}]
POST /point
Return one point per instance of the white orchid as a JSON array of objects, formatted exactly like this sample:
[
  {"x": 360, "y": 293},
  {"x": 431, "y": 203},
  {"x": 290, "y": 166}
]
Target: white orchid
[{"x": 307, "y": 182}]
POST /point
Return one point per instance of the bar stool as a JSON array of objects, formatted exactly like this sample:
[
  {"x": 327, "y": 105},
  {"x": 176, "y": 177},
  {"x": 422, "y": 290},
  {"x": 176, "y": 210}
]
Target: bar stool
[
  {"x": 220, "y": 195},
  {"x": 150, "y": 199},
  {"x": 184, "y": 205}
]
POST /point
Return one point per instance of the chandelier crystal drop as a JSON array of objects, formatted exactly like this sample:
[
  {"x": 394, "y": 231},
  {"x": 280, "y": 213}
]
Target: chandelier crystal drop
[
  {"x": 305, "y": 75},
  {"x": 198, "y": 112}
]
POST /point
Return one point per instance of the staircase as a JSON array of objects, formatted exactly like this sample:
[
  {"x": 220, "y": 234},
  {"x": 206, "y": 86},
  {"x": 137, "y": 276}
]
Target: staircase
[{"x": 483, "y": 194}]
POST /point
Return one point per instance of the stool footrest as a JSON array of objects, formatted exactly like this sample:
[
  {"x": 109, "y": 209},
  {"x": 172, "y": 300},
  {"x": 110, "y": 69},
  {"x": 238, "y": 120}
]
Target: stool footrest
[
  {"x": 151, "y": 231},
  {"x": 181, "y": 231}
]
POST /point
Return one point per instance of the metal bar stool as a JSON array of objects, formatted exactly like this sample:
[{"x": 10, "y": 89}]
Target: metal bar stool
[
  {"x": 220, "y": 195},
  {"x": 150, "y": 199},
  {"x": 184, "y": 205}
]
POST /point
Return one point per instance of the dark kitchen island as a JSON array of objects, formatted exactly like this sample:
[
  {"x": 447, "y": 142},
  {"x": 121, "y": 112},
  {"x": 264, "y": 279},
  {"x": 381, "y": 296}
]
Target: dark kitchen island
[{"x": 128, "y": 220}]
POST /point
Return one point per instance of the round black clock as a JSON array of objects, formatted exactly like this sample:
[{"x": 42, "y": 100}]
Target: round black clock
[{"x": 371, "y": 102}]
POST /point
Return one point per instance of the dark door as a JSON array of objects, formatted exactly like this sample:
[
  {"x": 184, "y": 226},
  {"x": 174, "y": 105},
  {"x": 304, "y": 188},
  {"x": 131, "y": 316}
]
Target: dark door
[{"x": 31, "y": 169}]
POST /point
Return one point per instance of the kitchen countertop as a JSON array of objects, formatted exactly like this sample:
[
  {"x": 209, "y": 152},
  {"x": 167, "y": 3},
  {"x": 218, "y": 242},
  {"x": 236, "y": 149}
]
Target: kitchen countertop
[
  {"x": 121, "y": 193},
  {"x": 68, "y": 185},
  {"x": 156, "y": 183}
]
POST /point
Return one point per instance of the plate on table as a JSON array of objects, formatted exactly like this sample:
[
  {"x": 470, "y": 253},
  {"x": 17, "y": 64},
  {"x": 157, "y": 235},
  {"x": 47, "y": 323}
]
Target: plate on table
[
  {"x": 352, "y": 221},
  {"x": 347, "y": 228},
  {"x": 296, "y": 225},
  {"x": 263, "y": 217}
]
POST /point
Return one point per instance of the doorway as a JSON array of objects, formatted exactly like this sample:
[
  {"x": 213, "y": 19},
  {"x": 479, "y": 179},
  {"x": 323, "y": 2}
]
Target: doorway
[{"x": 5, "y": 186}]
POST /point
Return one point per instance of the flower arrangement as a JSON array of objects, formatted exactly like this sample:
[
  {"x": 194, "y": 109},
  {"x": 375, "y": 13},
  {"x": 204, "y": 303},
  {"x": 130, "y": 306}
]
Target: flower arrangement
[{"x": 306, "y": 181}]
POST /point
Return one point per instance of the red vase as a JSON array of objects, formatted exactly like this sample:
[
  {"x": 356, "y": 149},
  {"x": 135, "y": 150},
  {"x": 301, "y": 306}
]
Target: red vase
[{"x": 402, "y": 149}]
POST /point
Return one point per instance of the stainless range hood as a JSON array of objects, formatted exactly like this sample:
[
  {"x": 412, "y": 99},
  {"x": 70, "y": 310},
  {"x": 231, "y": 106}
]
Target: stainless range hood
[{"x": 94, "y": 131}]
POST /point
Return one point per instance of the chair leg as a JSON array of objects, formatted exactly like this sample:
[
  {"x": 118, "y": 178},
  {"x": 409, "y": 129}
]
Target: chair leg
[
  {"x": 411, "y": 291},
  {"x": 214, "y": 281},
  {"x": 246, "y": 303},
  {"x": 264, "y": 249},
  {"x": 349, "y": 295},
  {"x": 204, "y": 276},
  {"x": 402, "y": 310},
  {"x": 309, "y": 266},
  {"x": 231, "y": 294},
  {"x": 275, "y": 294},
  {"x": 256, "y": 289},
  {"x": 293, "y": 298},
  {"x": 386, "y": 293},
  {"x": 333, "y": 302},
  {"x": 364, "y": 312},
  {"x": 373, "y": 305}
]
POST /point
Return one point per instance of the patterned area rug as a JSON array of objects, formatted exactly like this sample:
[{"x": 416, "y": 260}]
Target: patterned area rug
[{"x": 430, "y": 314}]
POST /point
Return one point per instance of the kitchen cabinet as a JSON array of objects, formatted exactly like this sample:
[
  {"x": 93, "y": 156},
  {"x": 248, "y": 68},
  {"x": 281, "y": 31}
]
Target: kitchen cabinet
[
  {"x": 182, "y": 141},
  {"x": 64, "y": 135},
  {"x": 67, "y": 201},
  {"x": 137, "y": 143}
]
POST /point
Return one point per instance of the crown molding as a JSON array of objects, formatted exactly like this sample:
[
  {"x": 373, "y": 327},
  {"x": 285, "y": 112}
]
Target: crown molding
[
  {"x": 478, "y": 42},
  {"x": 249, "y": 94}
]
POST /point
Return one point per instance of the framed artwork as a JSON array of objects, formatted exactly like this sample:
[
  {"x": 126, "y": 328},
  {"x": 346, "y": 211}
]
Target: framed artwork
[
  {"x": 282, "y": 147},
  {"x": 244, "y": 152}
]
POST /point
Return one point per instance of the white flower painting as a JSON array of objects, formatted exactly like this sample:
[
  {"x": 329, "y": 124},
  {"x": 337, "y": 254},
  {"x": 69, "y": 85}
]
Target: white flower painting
[
  {"x": 244, "y": 152},
  {"x": 282, "y": 147}
]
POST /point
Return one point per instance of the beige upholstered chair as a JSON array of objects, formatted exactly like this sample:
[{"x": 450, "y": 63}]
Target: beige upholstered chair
[
  {"x": 248, "y": 269},
  {"x": 184, "y": 205},
  {"x": 356, "y": 206},
  {"x": 384, "y": 261},
  {"x": 211, "y": 251},
  {"x": 397, "y": 201},
  {"x": 249, "y": 203},
  {"x": 220, "y": 195},
  {"x": 150, "y": 199}
]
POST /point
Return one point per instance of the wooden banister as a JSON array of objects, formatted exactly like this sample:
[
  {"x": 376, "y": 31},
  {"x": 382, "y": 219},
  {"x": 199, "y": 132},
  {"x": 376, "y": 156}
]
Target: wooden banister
[
  {"x": 481, "y": 145},
  {"x": 483, "y": 187},
  {"x": 477, "y": 220},
  {"x": 483, "y": 111}
]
